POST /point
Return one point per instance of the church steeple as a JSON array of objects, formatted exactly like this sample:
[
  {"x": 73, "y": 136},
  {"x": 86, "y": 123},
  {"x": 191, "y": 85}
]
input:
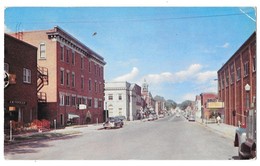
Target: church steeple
[{"x": 144, "y": 86}]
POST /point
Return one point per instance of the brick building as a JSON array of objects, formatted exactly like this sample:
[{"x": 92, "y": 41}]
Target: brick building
[
  {"x": 74, "y": 89},
  {"x": 233, "y": 76},
  {"x": 20, "y": 94},
  {"x": 206, "y": 111}
]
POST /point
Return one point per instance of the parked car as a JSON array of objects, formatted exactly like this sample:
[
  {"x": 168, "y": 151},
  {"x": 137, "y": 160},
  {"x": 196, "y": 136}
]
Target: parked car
[
  {"x": 150, "y": 118},
  {"x": 191, "y": 118},
  {"x": 113, "y": 122},
  {"x": 161, "y": 116},
  {"x": 155, "y": 117}
]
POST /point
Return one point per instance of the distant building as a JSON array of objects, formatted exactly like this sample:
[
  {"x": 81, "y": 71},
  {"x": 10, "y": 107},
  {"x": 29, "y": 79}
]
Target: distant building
[
  {"x": 198, "y": 107},
  {"x": 20, "y": 94},
  {"x": 233, "y": 76},
  {"x": 148, "y": 99},
  {"x": 160, "y": 107},
  {"x": 208, "y": 109},
  {"x": 123, "y": 99},
  {"x": 74, "y": 92}
]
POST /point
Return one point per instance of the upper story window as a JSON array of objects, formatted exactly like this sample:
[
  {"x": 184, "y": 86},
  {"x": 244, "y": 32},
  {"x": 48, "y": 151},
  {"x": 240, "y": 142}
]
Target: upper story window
[
  {"x": 68, "y": 78},
  {"x": 232, "y": 74},
  {"x": 62, "y": 99},
  {"x": 254, "y": 64},
  {"x": 246, "y": 67},
  {"x": 73, "y": 58},
  {"x": 67, "y": 56},
  {"x": 27, "y": 75},
  {"x": 238, "y": 73},
  {"x": 227, "y": 78},
  {"x": 82, "y": 62},
  {"x": 89, "y": 66},
  {"x": 82, "y": 82},
  {"x": 119, "y": 96},
  {"x": 42, "y": 51},
  {"x": 110, "y": 97},
  {"x": 62, "y": 76},
  {"x": 73, "y": 79},
  {"x": 89, "y": 85},
  {"x": 61, "y": 53}
]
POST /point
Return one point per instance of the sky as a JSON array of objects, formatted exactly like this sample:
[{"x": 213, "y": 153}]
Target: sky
[{"x": 177, "y": 50}]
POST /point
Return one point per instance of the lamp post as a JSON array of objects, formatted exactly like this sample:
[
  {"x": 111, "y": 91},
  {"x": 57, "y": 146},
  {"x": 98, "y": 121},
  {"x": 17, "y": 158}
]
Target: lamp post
[{"x": 247, "y": 89}]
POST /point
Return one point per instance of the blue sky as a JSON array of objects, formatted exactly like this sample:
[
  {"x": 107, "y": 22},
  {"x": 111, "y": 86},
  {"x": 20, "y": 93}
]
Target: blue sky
[{"x": 178, "y": 50}]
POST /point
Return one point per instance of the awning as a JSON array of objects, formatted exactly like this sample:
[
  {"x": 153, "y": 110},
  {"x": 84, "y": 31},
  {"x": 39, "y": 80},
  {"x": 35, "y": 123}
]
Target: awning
[{"x": 71, "y": 116}]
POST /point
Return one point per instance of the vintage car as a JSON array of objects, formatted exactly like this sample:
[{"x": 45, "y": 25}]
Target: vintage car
[{"x": 113, "y": 122}]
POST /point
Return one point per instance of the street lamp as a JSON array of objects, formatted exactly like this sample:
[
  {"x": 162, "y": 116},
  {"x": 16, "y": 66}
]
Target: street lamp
[{"x": 247, "y": 89}]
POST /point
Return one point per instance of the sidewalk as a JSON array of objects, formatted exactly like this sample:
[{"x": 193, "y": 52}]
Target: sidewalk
[{"x": 222, "y": 128}]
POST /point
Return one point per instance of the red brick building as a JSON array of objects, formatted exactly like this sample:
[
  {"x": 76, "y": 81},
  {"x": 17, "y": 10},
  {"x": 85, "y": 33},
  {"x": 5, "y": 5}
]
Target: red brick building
[
  {"x": 206, "y": 111},
  {"x": 74, "y": 89},
  {"x": 233, "y": 76},
  {"x": 20, "y": 96}
]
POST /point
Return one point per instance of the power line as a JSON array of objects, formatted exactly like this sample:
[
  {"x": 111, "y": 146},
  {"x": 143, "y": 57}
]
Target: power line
[{"x": 136, "y": 20}]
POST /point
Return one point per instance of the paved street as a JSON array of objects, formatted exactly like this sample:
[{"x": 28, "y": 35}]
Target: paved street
[{"x": 170, "y": 138}]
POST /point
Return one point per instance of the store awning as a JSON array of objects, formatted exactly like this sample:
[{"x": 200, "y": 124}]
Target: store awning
[{"x": 71, "y": 116}]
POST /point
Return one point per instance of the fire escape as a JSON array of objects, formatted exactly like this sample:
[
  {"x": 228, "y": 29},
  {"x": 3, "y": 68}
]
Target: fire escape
[{"x": 42, "y": 74}]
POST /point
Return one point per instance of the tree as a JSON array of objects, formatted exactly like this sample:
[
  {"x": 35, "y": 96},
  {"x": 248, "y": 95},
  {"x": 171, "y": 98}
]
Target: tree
[
  {"x": 185, "y": 104},
  {"x": 170, "y": 104}
]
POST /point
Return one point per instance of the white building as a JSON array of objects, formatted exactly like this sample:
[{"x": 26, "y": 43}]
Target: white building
[
  {"x": 123, "y": 99},
  {"x": 198, "y": 106}
]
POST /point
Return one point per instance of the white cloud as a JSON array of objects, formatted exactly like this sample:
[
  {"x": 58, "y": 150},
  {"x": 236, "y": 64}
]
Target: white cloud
[
  {"x": 187, "y": 74},
  {"x": 189, "y": 96},
  {"x": 7, "y": 30},
  {"x": 225, "y": 45},
  {"x": 129, "y": 76},
  {"x": 130, "y": 62},
  {"x": 206, "y": 76},
  {"x": 158, "y": 78}
]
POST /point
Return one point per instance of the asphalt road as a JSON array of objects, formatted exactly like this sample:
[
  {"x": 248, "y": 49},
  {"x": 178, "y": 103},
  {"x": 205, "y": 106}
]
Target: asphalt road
[{"x": 170, "y": 138}]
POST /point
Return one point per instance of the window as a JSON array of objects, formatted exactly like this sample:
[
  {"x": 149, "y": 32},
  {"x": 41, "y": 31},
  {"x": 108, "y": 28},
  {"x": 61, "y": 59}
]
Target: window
[
  {"x": 246, "y": 69},
  {"x": 100, "y": 87},
  {"x": 82, "y": 63},
  {"x": 73, "y": 79},
  {"x": 89, "y": 66},
  {"x": 62, "y": 76},
  {"x": 68, "y": 78},
  {"x": 6, "y": 66},
  {"x": 42, "y": 51},
  {"x": 67, "y": 56},
  {"x": 95, "y": 103},
  {"x": 73, "y": 58},
  {"x": 82, "y": 82},
  {"x": 73, "y": 100},
  {"x": 100, "y": 104},
  {"x": 67, "y": 100},
  {"x": 26, "y": 75},
  {"x": 89, "y": 84},
  {"x": 61, "y": 53},
  {"x": 232, "y": 74},
  {"x": 110, "y": 97},
  {"x": 89, "y": 103},
  {"x": 95, "y": 86},
  {"x": 254, "y": 64},
  {"x": 227, "y": 78},
  {"x": 120, "y": 97},
  {"x": 61, "y": 99},
  {"x": 238, "y": 73},
  {"x": 223, "y": 81},
  {"x": 79, "y": 100}
]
